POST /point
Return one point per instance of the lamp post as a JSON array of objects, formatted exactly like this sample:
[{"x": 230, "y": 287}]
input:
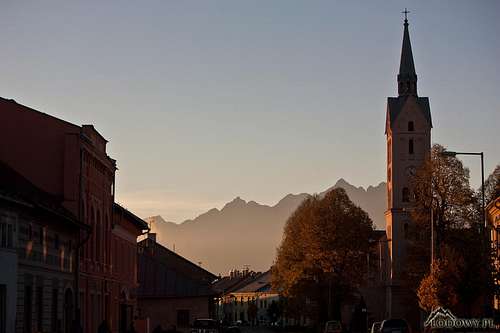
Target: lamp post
[{"x": 483, "y": 210}]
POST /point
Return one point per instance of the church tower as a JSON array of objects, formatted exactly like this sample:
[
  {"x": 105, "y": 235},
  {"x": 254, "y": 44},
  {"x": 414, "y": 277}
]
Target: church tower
[{"x": 408, "y": 132}]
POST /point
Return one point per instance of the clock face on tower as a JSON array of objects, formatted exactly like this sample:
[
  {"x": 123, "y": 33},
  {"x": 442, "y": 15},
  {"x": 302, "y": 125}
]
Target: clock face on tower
[{"x": 410, "y": 171}]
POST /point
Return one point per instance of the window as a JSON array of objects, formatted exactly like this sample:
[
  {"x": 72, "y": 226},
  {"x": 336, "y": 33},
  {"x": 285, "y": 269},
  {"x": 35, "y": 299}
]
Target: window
[
  {"x": 3, "y": 307},
  {"x": 410, "y": 147},
  {"x": 92, "y": 241},
  {"x": 42, "y": 235},
  {"x": 411, "y": 127},
  {"x": 98, "y": 234},
  {"x": 39, "y": 308},
  {"x": 56, "y": 242},
  {"x": 6, "y": 235},
  {"x": 406, "y": 194},
  {"x": 389, "y": 152},
  {"x": 405, "y": 230},
  {"x": 54, "y": 323},
  {"x": 3, "y": 234},
  {"x": 28, "y": 296}
]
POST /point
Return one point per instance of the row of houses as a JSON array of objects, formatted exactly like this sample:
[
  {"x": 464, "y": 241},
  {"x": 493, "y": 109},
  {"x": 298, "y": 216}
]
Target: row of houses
[{"x": 69, "y": 253}]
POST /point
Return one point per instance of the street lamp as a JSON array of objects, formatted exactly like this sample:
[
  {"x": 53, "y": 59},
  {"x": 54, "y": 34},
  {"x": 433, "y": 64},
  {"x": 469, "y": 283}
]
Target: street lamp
[
  {"x": 454, "y": 154},
  {"x": 485, "y": 222}
]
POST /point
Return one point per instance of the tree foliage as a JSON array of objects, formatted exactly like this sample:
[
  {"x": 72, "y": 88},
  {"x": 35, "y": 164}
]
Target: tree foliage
[
  {"x": 442, "y": 183},
  {"x": 492, "y": 185},
  {"x": 462, "y": 273},
  {"x": 438, "y": 288},
  {"x": 323, "y": 252}
]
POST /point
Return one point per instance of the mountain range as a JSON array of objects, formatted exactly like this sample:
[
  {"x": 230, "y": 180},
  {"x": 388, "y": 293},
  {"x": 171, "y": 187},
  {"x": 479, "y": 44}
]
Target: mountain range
[{"x": 247, "y": 233}]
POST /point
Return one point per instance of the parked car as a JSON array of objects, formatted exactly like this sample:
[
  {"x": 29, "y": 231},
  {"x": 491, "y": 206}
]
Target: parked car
[
  {"x": 231, "y": 329},
  {"x": 376, "y": 327},
  {"x": 394, "y": 326},
  {"x": 333, "y": 326},
  {"x": 206, "y": 326}
]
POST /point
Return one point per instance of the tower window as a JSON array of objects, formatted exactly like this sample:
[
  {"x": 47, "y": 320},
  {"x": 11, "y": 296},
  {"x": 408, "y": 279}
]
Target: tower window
[
  {"x": 406, "y": 194},
  {"x": 410, "y": 147},
  {"x": 411, "y": 126}
]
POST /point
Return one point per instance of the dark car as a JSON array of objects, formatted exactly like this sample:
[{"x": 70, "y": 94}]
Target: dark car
[
  {"x": 333, "y": 326},
  {"x": 376, "y": 327},
  {"x": 394, "y": 326},
  {"x": 206, "y": 326}
]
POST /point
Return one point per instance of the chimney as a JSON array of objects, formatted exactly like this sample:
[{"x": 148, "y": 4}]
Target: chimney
[{"x": 152, "y": 236}]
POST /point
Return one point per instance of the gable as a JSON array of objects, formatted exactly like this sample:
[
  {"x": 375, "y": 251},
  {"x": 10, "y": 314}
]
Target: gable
[{"x": 396, "y": 106}]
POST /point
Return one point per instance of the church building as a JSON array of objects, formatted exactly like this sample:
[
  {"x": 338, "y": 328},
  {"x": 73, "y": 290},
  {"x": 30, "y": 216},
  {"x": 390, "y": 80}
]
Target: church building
[{"x": 408, "y": 132}]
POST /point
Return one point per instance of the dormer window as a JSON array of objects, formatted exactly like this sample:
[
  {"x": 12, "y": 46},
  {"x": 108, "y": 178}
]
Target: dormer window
[{"x": 411, "y": 127}]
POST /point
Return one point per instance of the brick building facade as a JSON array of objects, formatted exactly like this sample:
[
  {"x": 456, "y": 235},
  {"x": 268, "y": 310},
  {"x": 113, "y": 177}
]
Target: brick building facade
[{"x": 70, "y": 162}]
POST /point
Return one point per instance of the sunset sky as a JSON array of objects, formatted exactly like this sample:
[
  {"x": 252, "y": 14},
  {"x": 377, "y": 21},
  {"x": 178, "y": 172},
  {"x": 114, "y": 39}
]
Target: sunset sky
[{"x": 203, "y": 101}]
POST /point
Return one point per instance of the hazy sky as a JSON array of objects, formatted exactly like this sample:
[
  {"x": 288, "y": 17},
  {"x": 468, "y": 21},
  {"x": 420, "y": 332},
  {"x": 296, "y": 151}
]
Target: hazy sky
[{"x": 203, "y": 101}]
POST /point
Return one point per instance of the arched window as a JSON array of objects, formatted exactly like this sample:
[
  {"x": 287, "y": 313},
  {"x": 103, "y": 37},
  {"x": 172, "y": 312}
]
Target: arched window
[
  {"x": 92, "y": 243},
  {"x": 411, "y": 127},
  {"x": 406, "y": 194},
  {"x": 106, "y": 245},
  {"x": 410, "y": 147},
  {"x": 98, "y": 234},
  {"x": 84, "y": 220}
]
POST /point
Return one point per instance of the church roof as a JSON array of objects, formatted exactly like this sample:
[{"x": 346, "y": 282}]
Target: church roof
[
  {"x": 407, "y": 66},
  {"x": 395, "y": 106}
]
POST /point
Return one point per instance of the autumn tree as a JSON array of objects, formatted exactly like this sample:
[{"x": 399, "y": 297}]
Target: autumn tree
[
  {"x": 462, "y": 272},
  {"x": 442, "y": 184},
  {"x": 322, "y": 257},
  {"x": 438, "y": 288},
  {"x": 492, "y": 185}
]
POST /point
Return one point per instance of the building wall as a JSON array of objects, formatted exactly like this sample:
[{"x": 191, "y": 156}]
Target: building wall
[
  {"x": 124, "y": 271},
  {"x": 401, "y": 164},
  {"x": 165, "y": 311},
  {"x": 44, "y": 267},
  {"x": 71, "y": 162},
  {"x": 493, "y": 217},
  {"x": 234, "y": 306},
  {"x": 40, "y": 145}
]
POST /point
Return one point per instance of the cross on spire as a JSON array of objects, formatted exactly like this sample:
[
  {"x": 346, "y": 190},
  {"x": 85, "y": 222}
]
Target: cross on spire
[{"x": 406, "y": 11}]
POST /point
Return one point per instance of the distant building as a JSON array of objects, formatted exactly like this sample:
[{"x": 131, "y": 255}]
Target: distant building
[
  {"x": 173, "y": 291},
  {"x": 493, "y": 217},
  {"x": 70, "y": 162},
  {"x": 38, "y": 240},
  {"x": 224, "y": 287},
  {"x": 251, "y": 303}
]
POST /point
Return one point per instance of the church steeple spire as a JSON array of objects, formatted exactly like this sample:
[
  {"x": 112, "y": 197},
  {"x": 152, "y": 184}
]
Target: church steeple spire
[{"x": 407, "y": 77}]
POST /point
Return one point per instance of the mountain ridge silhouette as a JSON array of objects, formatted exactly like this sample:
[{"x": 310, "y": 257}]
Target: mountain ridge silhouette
[{"x": 247, "y": 232}]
